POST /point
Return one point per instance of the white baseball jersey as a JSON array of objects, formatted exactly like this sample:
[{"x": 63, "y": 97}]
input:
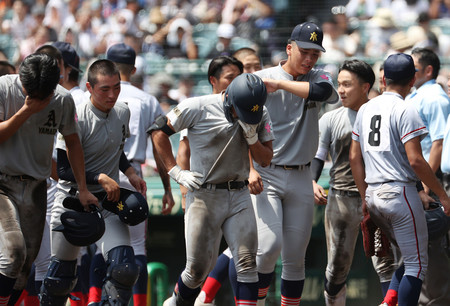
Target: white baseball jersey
[
  {"x": 335, "y": 130},
  {"x": 29, "y": 150},
  {"x": 144, "y": 108},
  {"x": 102, "y": 137},
  {"x": 445, "y": 158},
  {"x": 78, "y": 95},
  {"x": 382, "y": 127},
  {"x": 210, "y": 133},
  {"x": 293, "y": 144}
]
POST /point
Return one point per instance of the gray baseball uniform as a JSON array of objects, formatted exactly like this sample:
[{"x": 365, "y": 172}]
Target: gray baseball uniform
[
  {"x": 219, "y": 151},
  {"x": 24, "y": 167},
  {"x": 287, "y": 200},
  {"x": 102, "y": 136},
  {"x": 382, "y": 127}
]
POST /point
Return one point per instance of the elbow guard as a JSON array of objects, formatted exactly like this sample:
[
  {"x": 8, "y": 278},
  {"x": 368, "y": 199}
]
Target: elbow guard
[
  {"x": 160, "y": 123},
  {"x": 320, "y": 91}
]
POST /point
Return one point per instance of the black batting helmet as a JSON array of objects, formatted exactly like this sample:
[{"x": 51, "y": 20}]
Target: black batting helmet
[
  {"x": 81, "y": 228},
  {"x": 247, "y": 94},
  {"x": 437, "y": 222},
  {"x": 132, "y": 207}
]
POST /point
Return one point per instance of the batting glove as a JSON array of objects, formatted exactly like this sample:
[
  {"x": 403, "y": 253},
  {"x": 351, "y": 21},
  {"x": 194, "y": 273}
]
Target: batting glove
[
  {"x": 189, "y": 179},
  {"x": 249, "y": 132}
]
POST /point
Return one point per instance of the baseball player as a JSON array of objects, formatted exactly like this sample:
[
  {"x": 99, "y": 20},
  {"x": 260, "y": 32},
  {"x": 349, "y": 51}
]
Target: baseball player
[
  {"x": 251, "y": 63},
  {"x": 221, "y": 128},
  {"x": 32, "y": 109},
  {"x": 433, "y": 106},
  {"x": 103, "y": 128},
  {"x": 144, "y": 108},
  {"x": 343, "y": 212},
  {"x": 386, "y": 159},
  {"x": 284, "y": 209},
  {"x": 221, "y": 71}
]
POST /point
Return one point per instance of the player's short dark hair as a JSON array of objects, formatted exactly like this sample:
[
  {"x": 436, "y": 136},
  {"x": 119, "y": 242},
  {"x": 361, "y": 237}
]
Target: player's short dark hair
[
  {"x": 126, "y": 69},
  {"x": 361, "y": 69},
  {"x": 50, "y": 50},
  {"x": 428, "y": 57},
  {"x": 39, "y": 74},
  {"x": 6, "y": 68},
  {"x": 101, "y": 67},
  {"x": 245, "y": 51},
  {"x": 216, "y": 65},
  {"x": 74, "y": 76},
  {"x": 402, "y": 82}
]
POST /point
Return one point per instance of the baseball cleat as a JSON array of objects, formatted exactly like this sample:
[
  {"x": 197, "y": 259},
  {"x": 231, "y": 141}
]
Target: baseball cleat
[{"x": 170, "y": 301}]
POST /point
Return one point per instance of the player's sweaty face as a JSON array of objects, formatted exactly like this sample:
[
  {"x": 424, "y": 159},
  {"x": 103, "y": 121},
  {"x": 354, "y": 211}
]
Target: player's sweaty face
[
  {"x": 351, "y": 90},
  {"x": 229, "y": 72},
  {"x": 303, "y": 59},
  {"x": 104, "y": 94}
]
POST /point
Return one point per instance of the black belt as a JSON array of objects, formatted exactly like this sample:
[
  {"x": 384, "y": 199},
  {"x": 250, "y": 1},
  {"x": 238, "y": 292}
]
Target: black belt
[
  {"x": 22, "y": 177},
  {"x": 230, "y": 185},
  {"x": 293, "y": 167},
  {"x": 346, "y": 193}
]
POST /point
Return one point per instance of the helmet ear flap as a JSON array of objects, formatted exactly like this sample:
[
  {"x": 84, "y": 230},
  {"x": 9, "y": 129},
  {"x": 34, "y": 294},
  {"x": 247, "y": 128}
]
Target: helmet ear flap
[{"x": 81, "y": 228}]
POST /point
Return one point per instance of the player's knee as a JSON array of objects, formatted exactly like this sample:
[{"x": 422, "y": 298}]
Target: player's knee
[
  {"x": 195, "y": 275},
  {"x": 121, "y": 275},
  {"x": 270, "y": 255},
  {"x": 59, "y": 282},
  {"x": 16, "y": 254}
]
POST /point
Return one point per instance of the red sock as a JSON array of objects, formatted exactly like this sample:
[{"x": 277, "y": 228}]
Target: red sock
[
  {"x": 78, "y": 295},
  {"x": 391, "y": 297},
  {"x": 210, "y": 287},
  {"x": 29, "y": 300},
  {"x": 140, "y": 299},
  {"x": 95, "y": 295}
]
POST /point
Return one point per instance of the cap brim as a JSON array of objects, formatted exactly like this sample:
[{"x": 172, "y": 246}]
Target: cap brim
[{"x": 308, "y": 45}]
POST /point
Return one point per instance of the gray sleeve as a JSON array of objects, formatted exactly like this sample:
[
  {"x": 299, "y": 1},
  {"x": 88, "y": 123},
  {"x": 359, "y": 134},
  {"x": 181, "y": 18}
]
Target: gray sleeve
[
  {"x": 68, "y": 124},
  {"x": 185, "y": 114},
  {"x": 265, "y": 130}
]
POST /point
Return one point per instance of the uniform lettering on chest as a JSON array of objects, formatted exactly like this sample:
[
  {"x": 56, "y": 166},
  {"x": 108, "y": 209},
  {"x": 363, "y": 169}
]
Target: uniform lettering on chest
[
  {"x": 50, "y": 125},
  {"x": 123, "y": 137}
]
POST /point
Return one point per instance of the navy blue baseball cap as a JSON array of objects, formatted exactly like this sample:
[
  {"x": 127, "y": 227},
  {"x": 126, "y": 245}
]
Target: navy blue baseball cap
[
  {"x": 70, "y": 56},
  {"x": 308, "y": 36},
  {"x": 399, "y": 66},
  {"x": 121, "y": 53}
]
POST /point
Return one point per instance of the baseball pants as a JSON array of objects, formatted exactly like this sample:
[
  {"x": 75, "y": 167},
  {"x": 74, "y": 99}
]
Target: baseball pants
[
  {"x": 397, "y": 210},
  {"x": 208, "y": 213},
  {"x": 343, "y": 214},
  {"x": 284, "y": 214},
  {"x": 22, "y": 217}
]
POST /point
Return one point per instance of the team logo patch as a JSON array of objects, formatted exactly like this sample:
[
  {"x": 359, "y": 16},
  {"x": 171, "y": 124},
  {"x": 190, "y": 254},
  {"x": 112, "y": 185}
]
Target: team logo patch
[
  {"x": 120, "y": 206},
  {"x": 324, "y": 76},
  {"x": 313, "y": 36},
  {"x": 268, "y": 127},
  {"x": 255, "y": 108},
  {"x": 176, "y": 111}
]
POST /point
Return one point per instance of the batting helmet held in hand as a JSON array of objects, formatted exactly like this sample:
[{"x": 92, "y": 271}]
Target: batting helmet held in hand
[
  {"x": 79, "y": 227},
  {"x": 437, "y": 222},
  {"x": 132, "y": 207},
  {"x": 247, "y": 94}
]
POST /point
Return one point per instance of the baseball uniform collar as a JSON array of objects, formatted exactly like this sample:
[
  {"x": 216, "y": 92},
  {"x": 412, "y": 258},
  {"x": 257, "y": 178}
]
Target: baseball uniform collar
[
  {"x": 283, "y": 72},
  {"x": 96, "y": 111}
]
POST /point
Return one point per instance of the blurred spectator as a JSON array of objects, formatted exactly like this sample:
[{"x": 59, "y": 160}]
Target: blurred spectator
[
  {"x": 22, "y": 23},
  {"x": 86, "y": 37},
  {"x": 400, "y": 43},
  {"x": 39, "y": 38},
  {"x": 225, "y": 33},
  {"x": 208, "y": 11},
  {"x": 439, "y": 9},
  {"x": 337, "y": 42},
  {"x": 161, "y": 83},
  {"x": 410, "y": 10},
  {"x": 184, "y": 89},
  {"x": 56, "y": 13},
  {"x": 365, "y": 9},
  {"x": 381, "y": 26},
  {"x": 179, "y": 42}
]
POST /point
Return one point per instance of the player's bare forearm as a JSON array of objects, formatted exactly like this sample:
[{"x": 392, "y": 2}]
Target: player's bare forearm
[
  {"x": 184, "y": 154},
  {"x": 422, "y": 168},
  {"x": 358, "y": 168},
  {"x": 163, "y": 147},
  {"x": 255, "y": 183},
  {"x": 136, "y": 181},
  {"x": 162, "y": 171},
  {"x": 435, "y": 155},
  {"x": 76, "y": 158},
  {"x": 262, "y": 153},
  {"x": 300, "y": 89}
]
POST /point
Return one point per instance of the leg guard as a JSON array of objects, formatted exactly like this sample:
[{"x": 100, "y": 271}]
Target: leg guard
[
  {"x": 59, "y": 282},
  {"x": 121, "y": 275}
]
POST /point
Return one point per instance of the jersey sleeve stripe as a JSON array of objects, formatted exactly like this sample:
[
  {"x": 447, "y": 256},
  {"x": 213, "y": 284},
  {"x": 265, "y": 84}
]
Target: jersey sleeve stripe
[
  {"x": 355, "y": 133},
  {"x": 413, "y": 132}
]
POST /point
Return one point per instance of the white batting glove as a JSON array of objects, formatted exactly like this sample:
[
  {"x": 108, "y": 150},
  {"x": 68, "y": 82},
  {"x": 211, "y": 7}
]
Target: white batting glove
[
  {"x": 249, "y": 132},
  {"x": 189, "y": 179}
]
